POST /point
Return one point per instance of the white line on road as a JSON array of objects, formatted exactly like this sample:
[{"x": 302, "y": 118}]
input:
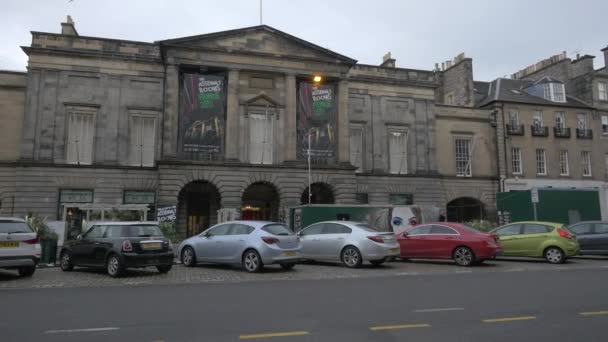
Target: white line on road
[
  {"x": 439, "y": 310},
  {"x": 68, "y": 331}
]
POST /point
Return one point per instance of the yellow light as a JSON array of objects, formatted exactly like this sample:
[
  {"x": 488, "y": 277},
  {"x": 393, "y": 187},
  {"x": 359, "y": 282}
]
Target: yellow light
[{"x": 317, "y": 78}]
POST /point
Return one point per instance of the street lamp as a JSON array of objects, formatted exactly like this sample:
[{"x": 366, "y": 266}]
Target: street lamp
[{"x": 317, "y": 78}]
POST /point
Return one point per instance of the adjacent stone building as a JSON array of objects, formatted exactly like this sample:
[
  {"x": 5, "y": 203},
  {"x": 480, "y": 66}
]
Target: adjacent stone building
[{"x": 225, "y": 122}]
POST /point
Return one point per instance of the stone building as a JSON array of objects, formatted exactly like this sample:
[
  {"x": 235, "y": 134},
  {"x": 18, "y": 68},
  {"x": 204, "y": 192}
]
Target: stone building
[{"x": 224, "y": 122}]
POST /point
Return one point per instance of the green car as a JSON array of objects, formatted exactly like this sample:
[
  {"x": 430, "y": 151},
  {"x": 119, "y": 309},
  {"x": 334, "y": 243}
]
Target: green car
[{"x": 552, "y": 241}]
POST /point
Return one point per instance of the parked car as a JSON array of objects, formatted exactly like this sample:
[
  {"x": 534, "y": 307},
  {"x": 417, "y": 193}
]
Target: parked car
[
  {"x": 348, "y": 242},
  {"x": 19, "y": 246},
  {"x": 446, "y": 240},
  {"x": 550, "y": 240},
  {"x": 117, "y": 246},
  {"x": 251, "y": 244},
  {"x": 592, "y": 236}
]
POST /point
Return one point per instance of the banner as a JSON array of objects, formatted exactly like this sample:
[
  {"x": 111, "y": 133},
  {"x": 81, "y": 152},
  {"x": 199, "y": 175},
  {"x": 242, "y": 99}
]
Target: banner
[
  {"x": 201, "y": 114},
  {"x": 166, "y": 214},
  {"x": 317, "y": 112}
]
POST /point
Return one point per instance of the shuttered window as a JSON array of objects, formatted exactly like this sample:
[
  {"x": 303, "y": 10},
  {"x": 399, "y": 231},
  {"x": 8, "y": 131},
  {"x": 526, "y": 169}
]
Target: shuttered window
[
  {"x": 81, "y": 134},
  {"x": 142, "y": 141},
  {"x": 260, "y": 138},
  {"x": 463, "y": 157},
  {"x": 397, "y": 149},
  {"x": 356, "y": 148}
]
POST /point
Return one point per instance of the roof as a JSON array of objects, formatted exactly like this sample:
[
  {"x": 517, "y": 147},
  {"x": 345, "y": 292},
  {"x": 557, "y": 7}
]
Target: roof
[
  {"x": 259, "y": 28},
  {"x": 510, "y": 90},
  {"x": 256, "y": 224},
  {"x": 546, "y": 79}
]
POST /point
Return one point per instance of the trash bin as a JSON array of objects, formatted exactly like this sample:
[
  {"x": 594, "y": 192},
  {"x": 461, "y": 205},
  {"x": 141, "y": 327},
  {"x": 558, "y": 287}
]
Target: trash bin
[{"x": 48, "y": 253}]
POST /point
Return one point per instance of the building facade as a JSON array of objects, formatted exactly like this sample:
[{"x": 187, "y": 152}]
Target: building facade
[{"x": 224, "y": 123}]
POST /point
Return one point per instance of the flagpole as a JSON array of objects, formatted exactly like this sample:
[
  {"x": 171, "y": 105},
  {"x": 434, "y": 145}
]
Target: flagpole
[{"x": 261, "y": 11}]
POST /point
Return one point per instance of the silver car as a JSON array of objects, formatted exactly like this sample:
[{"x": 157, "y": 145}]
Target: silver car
[
  {"x": 251, "y": 244},
  {"x": 348, "y": 242},
  {"x": 19, "y": 246}
]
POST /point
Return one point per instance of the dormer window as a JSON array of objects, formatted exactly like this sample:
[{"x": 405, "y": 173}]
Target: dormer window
[
  {"x": 548, "y": 88},
  {"x": 558, "y": 92}
]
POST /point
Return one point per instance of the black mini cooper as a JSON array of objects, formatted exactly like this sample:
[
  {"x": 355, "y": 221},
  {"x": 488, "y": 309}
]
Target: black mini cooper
[{"x": 117, "y": 246}]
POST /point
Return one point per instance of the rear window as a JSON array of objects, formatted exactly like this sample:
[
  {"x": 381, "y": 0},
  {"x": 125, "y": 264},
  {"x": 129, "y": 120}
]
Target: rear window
[
  {"x": 144, "y": 231},
  {"x": 470, "y": 229},
  {"x": 277, "y": 229},
  {"x": 12, "y": 227},
  {"x": 366, "y": 227}
]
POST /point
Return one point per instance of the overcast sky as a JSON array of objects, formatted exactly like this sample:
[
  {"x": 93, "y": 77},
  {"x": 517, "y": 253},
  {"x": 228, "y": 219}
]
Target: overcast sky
[{"x": 501, "y": 36}]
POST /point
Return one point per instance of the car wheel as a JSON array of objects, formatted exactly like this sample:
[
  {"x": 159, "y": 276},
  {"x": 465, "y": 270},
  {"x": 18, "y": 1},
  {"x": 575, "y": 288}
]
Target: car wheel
[
  {"x": 164, "y": 268},
  {"x": 554, "y": 255},
  {"x": 377, "y": 262},
  {"x": 252, "y": 262},
  {"x": 288, "y": 266},
  {"x": 188, "y": 257},
  {"x": 351, "y": 257},
  {"x": 114, "y": 266},
  {"x": 27, "y": 271},
  {"x": 463, "y": 256},
  {"x": 65, "y": 261}
]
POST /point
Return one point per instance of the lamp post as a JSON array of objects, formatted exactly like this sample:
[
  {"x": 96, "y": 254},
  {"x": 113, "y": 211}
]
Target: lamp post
[{"x": 309, "y": 169}]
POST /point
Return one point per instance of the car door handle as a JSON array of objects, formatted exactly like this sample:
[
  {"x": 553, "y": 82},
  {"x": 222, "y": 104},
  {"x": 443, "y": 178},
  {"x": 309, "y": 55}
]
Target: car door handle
[
  {"x": 97, "y": 243},
  {"x": 241, "y": 240}
]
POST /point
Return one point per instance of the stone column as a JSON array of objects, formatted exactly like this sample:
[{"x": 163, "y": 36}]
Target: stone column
[
  {"x": 290, "y": 117},
  {"x": 170, "y": 115},
  {"x": 343, "y": 123},
  {"x": 232, "y": 112}
]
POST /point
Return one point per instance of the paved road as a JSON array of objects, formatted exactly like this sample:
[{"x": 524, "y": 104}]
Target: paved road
[{"x": 559, "y": 304}]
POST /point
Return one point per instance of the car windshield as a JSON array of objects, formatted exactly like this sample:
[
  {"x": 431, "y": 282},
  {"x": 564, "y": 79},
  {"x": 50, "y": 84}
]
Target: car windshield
[
  {"x": 12, "y": 227},
  {"x": 144, "y": 230},
  {"x": 277, "y": 229},
  {"x": 470, "y": 229},
  {"x": 366, "y": 227}
]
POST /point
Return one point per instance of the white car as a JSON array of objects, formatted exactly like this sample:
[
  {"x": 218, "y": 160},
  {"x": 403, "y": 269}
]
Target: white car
[{"x": 19, "y": 246}]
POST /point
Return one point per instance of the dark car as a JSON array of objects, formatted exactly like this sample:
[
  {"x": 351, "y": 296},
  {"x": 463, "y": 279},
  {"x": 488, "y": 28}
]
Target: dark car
[
  {"x": 592, "y": 236},
  {"x": 117, "y": 246}
]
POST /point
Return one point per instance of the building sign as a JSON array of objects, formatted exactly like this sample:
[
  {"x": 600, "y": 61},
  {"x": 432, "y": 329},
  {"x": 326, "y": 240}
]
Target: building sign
[
  {"x": 76, "y": 196},
  {"x": 201, "y": 115},
  {"x": 139, "y": 197},
  {"x": 317, "y": 111}
]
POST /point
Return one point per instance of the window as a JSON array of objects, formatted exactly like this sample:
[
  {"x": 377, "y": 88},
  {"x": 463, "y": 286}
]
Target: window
[
  {"x": 142, "y": 140},
  {"x": 516, "y": 161},
  {"x": 96, "y": 232},
  {"x": 586, "y": 163},
  {"x": 537, "y": 119},
  {"x": 449, "y": 99},
  {"x": 509, "y": 230},
  {"x": 144, "y": 230},
  {"x": 443, "y": 230},
  {"x": 547, "y": 91},
  {"x": 276, "y": 229},
  {"x": 11, "y": 226},
  {"x": 241, "y": 229},
  {"x": 602, "y": 91},
  {"x": 581, "y": 229},
  {"x": 564, "y": 165},
  {"x": 397, "y": 149},
  {"x": 332, "y": 228},
  {"x": 536, "y": 229},
  {"x": 581, "y": 119},
  {"x": 601, "y": 228},
  {"x": 604, "y": 124},
  {"x": 81, "y": 134},
  {"x": 541, "y": 168},
  {"x": 513, "y": 118},
  {"x": 356, "y": 148},
  {"x": 313, "y": 230},
  {"x": 560, "y": 120},
  {"x": 401, "y": 199},
  {"x": 422, "y": 230},
  {"x": 142, "y": 197},
  {"x": 463, "y": 157},
  {"x": 361, "y": 198},
  {"x": 113, "y": 232},
  {"x": 260, "y": 138},
  {"x": 219, "y": 230},
  {"x": 558, "y": 92}
]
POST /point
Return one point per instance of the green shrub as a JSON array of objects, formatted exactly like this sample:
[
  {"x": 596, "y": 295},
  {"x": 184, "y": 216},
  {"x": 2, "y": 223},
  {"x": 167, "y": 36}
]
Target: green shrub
[
  {"x": 483, "y": 225},
  {"x": 43, "y": 231},
  {"x": 169, "y": 231}
]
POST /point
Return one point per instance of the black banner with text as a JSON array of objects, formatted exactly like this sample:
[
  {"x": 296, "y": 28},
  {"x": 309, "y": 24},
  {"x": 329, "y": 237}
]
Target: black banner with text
[{"x": 317, "y": 112}]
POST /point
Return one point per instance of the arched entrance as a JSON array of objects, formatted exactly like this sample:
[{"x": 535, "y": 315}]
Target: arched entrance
[
  {"x": 321, "y": 193},
  {"x": 260, "y": 202},
  {"x": 464, "y": 209},
  {"x": 198, "y": 203}
]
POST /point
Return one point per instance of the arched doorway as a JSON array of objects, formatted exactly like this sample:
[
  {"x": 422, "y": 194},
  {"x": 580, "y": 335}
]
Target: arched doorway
[
  {"x": 464, "y": 209},
  {"x": 260, "y": 202},
  {"x": 321, "y": 193},
  {"x": 198, "y": 203}
]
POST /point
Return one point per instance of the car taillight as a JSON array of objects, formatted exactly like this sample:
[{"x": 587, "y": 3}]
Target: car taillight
[
  {"x": 269, "y": 240},
  {"x": 127, "y": 246},
  {"x": 564, "y": 233},
  {"x": 32, "y": 241},
  {"x": 378, "y": 239}
]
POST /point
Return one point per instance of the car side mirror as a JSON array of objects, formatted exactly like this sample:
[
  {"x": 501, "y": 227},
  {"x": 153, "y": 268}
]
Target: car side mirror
[
  {"x": 404, "y": 234},
  {"x": 79, "y": 237}
]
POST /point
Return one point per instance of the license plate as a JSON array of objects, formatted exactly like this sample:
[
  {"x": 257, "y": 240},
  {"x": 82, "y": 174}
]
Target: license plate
[
  {"x": 289, "y": 254},
  {"x": 151, "y": 245},
  {"x": 9, "y": 244},
  {"x": 394, "y": 250}
]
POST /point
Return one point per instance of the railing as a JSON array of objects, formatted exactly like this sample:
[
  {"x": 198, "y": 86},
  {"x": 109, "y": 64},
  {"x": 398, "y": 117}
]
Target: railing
[
  {"x": 561, "y": 132},
  {"x": 584, "y": 133},
  {"x": 540, "y": 131},
  {"x": 515, "y": 129}
]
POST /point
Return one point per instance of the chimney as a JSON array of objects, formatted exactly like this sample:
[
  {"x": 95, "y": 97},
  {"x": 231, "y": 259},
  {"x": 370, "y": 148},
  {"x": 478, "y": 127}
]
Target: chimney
[
  {"x": 605, "y": 51},
  {"x": 582, "y": 65},
  {"x": 68, "y": 28},
  {"x": 388, "y": 61}
]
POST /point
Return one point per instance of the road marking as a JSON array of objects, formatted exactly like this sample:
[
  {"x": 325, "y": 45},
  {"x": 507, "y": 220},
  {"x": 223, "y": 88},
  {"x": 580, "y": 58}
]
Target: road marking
[
  {"x": 280, "y": 334},
  {"x": 593, "y": 313},
  {"x": 439, "y": 310},
  {"x": 402, "y": 326},
  {"x": 68, "y": 331},
  {"x": 509, "y": 319}
]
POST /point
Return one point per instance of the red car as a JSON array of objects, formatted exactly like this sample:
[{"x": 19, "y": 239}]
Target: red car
[{"x": 448, "y": 240}]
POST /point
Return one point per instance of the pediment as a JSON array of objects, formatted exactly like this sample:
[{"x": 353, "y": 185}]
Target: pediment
[
  {"x": 262, "y": 100},
  {"x": 260, "y": 40}
]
